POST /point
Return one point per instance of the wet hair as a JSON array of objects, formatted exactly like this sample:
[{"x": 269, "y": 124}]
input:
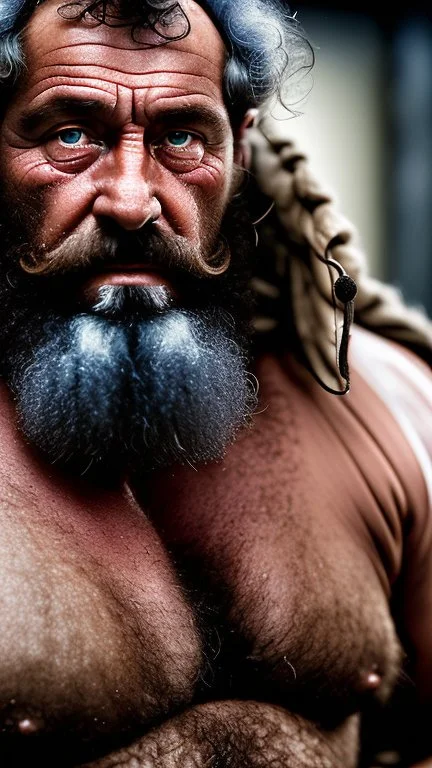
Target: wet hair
[{"x": 267, "y": 49}]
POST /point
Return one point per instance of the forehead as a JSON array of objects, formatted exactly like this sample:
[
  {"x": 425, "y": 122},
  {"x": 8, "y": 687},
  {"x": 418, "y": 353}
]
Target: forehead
[{"x": 98, "y": 55}]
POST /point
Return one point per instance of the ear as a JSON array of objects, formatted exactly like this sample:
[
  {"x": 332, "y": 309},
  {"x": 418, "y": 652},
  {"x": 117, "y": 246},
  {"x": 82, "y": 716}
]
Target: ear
[{"x": 242, "y": 154}]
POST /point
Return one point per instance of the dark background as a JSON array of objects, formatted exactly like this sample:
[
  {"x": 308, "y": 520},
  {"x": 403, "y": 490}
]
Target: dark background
[{"x": 388, "y": 19}]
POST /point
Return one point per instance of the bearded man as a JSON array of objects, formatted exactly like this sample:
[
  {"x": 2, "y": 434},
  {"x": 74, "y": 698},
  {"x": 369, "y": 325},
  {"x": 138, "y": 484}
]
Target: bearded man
[{"x": 194, "y": 574}]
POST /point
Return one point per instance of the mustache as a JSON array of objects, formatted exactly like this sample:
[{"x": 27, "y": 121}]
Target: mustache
[{"x": 93, "y": 246}]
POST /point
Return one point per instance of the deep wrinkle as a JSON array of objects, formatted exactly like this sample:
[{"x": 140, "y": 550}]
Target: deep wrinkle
[
  {"x": 181, "y": 193},
  {"x": 124, "y": 175},
  {"x": 59, "y": 108},
  {"x": 63, "y": 107},
  {"x": 284, "y": 553}
]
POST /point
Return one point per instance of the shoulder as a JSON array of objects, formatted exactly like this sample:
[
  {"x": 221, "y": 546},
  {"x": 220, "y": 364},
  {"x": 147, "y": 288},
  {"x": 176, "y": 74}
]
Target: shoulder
[
  {"x": 382, "y": 428},
  {"x": 376, "y": 441},
  {"x": 390, "y": 402},
  {"x": 403, "y": 382}
]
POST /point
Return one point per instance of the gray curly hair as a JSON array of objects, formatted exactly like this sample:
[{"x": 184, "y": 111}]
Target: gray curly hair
[{"x": 266, "y": 45}]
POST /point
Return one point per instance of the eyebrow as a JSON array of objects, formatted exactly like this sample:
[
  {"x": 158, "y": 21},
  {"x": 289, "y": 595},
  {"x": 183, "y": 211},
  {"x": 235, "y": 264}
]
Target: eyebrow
[
  {"x": 193, "y": 114},
  {"x": 34, "y": 118}
]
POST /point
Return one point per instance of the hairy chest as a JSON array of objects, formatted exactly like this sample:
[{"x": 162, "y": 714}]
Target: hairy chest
[
  {"x": 265, "y": 577},
  {"x": 288, "y": 550}
]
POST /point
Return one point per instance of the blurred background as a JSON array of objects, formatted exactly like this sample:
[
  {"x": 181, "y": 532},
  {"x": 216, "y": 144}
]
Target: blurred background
[{"x": 367, "y": 126}]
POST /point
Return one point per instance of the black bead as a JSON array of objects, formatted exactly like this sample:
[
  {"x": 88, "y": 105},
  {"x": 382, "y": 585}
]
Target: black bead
[{"x": 345, "y": 289}]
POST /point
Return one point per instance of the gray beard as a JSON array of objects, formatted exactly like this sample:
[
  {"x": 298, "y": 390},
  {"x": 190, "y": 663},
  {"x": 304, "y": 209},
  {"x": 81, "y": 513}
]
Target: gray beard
[
  {"x": 134, "y": 383},
  {"x": 134, "y": 386}
]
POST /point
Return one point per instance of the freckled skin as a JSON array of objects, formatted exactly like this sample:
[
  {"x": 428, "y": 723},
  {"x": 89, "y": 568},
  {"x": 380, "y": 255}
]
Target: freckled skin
[{"x": 235, "y": 616}]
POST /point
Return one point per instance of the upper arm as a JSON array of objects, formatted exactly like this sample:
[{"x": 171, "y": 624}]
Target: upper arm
[{"x": 404, "y": 384}]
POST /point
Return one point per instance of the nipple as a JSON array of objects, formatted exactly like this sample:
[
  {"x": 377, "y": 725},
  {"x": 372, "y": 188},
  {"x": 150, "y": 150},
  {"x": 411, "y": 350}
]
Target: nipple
[
  {"x": 371, "y": 680},
  {"x": 21, "y": 722},
  {"x": 28, "y": 726}
]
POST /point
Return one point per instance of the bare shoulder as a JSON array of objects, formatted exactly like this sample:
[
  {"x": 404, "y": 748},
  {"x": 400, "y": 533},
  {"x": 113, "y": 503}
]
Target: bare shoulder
[
  {"x": 369, "y": 453},
  {"x": 403, "y": 382}
]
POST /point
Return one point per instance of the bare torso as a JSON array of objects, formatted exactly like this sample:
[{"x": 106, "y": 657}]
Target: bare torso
[{"x": 234, "y": 616}]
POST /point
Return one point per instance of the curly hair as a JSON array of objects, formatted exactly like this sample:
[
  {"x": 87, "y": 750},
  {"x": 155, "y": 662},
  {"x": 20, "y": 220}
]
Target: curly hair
[{"x": 266, "y": 45}]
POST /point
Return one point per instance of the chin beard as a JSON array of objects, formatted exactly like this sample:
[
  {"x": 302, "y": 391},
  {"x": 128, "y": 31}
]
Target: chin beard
[
  {"x": 172, "y": 388},
  {"x": 131, "y": 386}
]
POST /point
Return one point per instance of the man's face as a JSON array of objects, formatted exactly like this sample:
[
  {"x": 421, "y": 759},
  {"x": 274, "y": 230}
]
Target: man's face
[
  {"x": 146, "y": 134},
  {"x": 114, "y": 153}
]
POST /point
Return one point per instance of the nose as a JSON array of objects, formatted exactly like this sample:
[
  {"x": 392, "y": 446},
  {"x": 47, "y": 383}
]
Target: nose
[{"x": 124, "y": 191}]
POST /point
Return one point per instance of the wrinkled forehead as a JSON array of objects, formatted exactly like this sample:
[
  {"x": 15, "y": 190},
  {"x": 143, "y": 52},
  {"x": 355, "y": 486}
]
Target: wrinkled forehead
[{"x": 51, "y": 37}]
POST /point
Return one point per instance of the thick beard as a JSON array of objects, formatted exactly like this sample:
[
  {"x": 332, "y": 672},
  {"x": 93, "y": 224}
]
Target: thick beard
[{"x": 132, "y": 386}]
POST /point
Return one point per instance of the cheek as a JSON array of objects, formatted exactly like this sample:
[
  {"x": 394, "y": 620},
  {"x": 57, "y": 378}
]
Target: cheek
[
  {"x": 194, "y": 203},
  {"x": 65, "y": 205},
  {"x": 25, "y": 168},
  {"x": 31, "y": 183}
]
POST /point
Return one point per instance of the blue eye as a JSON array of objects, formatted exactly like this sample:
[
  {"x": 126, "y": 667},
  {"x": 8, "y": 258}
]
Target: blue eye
[
  {"x": 71, "y": 136},
  {"x": 179, "y": 138}
]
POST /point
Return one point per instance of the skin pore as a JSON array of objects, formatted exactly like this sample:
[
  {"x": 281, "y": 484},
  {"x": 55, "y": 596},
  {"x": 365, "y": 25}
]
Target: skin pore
[
  {"x": 128, "y": 133},
  {"x": 101, "y": 129},
  {"x": 140, "y": 140},
  {"x": 112, "y": 607}
]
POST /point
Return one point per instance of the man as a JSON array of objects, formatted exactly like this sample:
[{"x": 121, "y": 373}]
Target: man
[{"x": 193, "y": 576}]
